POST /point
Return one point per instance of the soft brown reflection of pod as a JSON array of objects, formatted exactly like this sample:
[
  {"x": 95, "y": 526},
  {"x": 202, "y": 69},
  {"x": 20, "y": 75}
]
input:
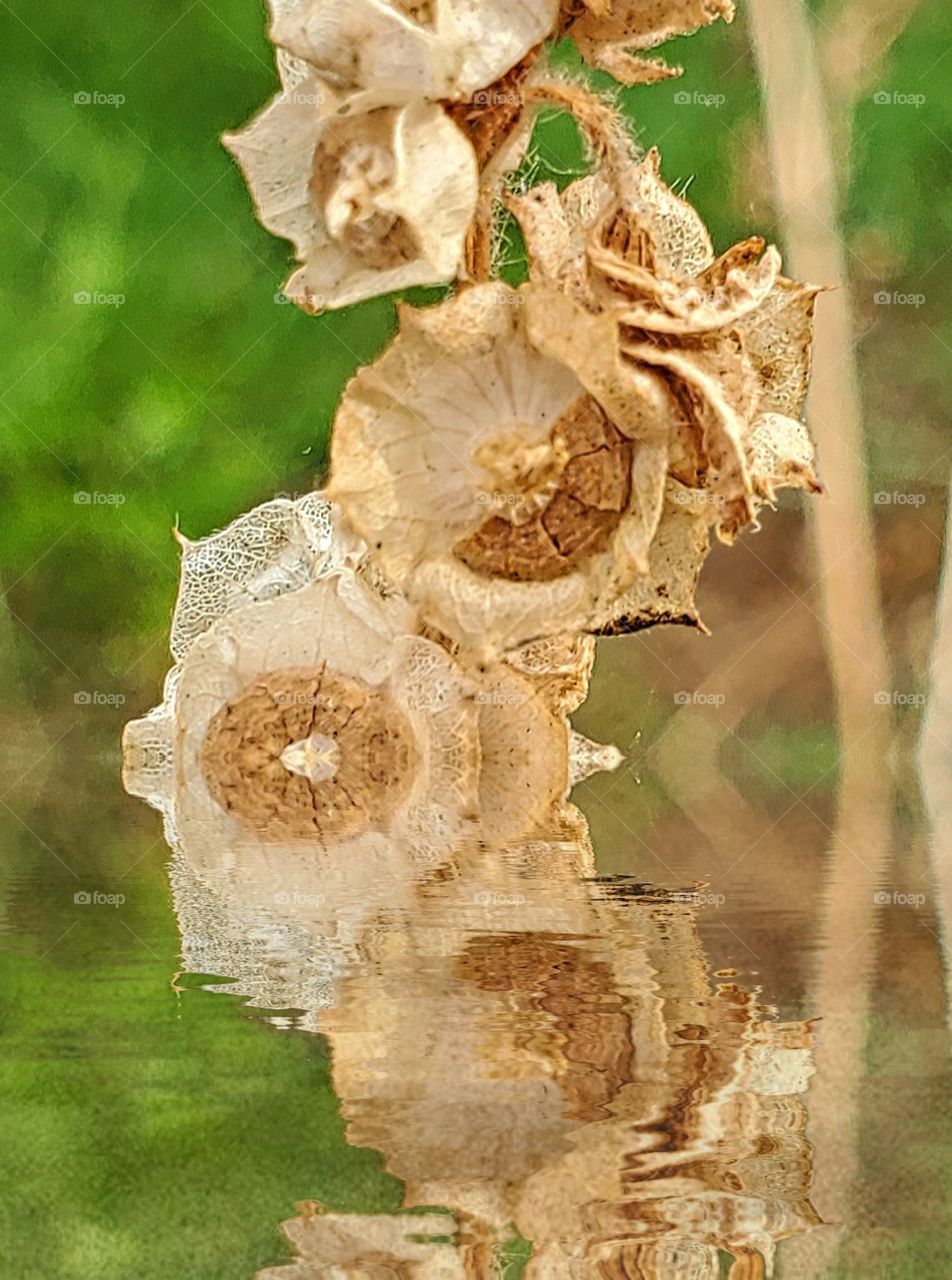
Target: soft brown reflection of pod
[{"x": 531, "y": 1050}]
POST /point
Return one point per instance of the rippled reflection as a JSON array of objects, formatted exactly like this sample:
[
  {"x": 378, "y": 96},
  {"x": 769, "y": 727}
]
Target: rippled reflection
[{"x": 539, "y": 1053}]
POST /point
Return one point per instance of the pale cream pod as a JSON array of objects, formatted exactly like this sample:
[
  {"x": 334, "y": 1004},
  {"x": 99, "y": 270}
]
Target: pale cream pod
[
  {"x": 487, "y": 481},
  {"x": 383, "y": 53},
  {"x": 372, "y": 203},
  {"x": 305, "y": 712}
]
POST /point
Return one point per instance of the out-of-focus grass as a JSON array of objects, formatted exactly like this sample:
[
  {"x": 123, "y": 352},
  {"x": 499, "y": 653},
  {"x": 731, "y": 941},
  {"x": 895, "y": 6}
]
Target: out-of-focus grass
[
  {"x": 172, "y": 1144},
  {"x": 200, "y": 395}
]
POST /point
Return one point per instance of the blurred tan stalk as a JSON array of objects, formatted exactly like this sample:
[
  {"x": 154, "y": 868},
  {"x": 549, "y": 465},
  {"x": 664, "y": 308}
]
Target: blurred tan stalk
[
  {"x": 808, "y": 205},
  {"x": 935, "y": 748},
  {"x": 807, "y": 202}
]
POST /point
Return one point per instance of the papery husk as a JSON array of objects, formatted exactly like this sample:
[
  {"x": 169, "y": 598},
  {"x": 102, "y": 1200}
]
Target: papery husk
[
  {"x": 342, "y": 1245},
  {"x": 630, "y": 289},
  {"x": 357, "y": 235},
  {"x": 610, "y": 33},
  {"x": 280, "y": 617},
  {"x": 379, "y": 54},
  {"x": 414, "y": 445}
]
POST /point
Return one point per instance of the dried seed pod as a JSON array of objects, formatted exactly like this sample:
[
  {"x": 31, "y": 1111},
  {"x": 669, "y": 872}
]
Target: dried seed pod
[
  {"x": 305, "y": 710},
  {"x": 390, "y": 52},
  {"x": 492, "y": 487},
  {"x": 629, "y": 284},
  {"x": 609, "y": 33},
  {"x": 372, "y": 203}
]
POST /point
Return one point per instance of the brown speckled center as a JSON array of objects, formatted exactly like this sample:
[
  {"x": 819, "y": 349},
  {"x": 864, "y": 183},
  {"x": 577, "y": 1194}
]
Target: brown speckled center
[
  {"x": 361, "y": 732},
  {"x": 579, "y": 519}
]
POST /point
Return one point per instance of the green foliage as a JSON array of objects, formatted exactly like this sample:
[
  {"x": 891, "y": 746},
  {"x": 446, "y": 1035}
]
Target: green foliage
[{"x": 160, "y": 1134}]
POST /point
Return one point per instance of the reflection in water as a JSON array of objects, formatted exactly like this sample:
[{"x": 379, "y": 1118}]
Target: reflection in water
[
  {"x": 539, "y": 1052},
  {"x": 367, "y": 833}
]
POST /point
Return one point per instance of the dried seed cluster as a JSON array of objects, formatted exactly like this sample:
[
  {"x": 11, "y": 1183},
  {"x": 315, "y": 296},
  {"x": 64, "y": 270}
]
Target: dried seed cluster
[{"x": 523, "y": 468}]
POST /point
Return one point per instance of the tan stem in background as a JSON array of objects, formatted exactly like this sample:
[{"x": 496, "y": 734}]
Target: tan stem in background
[
  {"x": 847, "y": 947},
  {"x": 935, "y": 752},
  {"x": 807, "y": 207}
]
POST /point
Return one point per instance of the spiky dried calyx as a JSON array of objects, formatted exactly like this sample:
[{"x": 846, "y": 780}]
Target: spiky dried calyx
[
  {"x": 611, "y": 33},
  {"x": 625, "y": 284}
]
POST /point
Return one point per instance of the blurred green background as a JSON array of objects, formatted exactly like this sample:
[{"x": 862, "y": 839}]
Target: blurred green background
[
  {"x": 164, "y": 1134},
  {"x": 200, "y": 396}
]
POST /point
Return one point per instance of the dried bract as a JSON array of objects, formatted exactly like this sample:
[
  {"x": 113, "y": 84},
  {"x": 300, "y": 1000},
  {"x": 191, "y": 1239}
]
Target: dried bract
[
  {"x": 610, "y": 33},
  {"x": 391, "y": 52},
  {"x": 372, "y": 203},
  {"x": 626, "y": 284}
]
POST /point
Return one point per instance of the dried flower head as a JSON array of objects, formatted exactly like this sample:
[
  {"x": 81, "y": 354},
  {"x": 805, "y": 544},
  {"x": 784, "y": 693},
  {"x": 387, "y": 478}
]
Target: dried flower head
[
  {"x": 303, "y": 706},
  {"x": 391, "y": 52},
  {"x": 609, "y": 33},
  {"x": 488, "y": 481},
  {"x": 627, "y": 283},
  {"x": 372, "y": 202}
]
